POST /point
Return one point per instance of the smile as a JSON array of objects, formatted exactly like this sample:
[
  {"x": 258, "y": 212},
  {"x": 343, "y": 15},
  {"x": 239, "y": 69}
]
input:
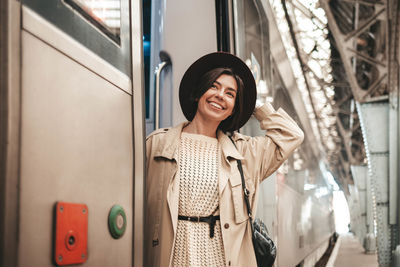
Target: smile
[{"x": 215, "y": 105}]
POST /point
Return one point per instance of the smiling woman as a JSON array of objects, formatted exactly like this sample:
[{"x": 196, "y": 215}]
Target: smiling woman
[
  {"x": 219, "y": 92},
  {"x": 217, "y": 103},
  {"x": 196, "y": 214},
  {"x": 203, "y": 75}
]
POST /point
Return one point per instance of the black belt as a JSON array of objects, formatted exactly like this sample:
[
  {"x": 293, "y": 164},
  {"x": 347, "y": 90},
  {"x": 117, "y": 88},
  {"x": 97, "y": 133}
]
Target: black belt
[{"x": 209, "y": 219}]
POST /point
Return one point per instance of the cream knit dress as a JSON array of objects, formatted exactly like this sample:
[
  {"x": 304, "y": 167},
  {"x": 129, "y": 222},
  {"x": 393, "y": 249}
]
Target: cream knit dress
[{"x": 198, "y": 196}]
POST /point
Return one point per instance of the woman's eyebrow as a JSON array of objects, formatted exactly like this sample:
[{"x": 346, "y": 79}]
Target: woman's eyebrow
[
  {"x": 217, "y": 83},
  {"x": 229, "y": 88}
]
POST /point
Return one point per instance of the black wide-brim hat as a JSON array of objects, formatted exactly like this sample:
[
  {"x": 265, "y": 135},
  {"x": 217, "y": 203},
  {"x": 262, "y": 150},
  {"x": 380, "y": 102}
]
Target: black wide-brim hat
[{"x": 211, "y": 61}]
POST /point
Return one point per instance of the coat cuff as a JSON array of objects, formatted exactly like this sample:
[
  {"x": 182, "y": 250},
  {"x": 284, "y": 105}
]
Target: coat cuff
[{"x": 263, "y": 111}]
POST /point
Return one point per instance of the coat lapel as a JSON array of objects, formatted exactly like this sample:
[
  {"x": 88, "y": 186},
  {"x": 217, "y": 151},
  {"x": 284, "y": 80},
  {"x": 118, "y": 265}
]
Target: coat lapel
[
  {"x": 169, "y": 144},
  {"x": 229, "y": 155},
  {"x": 168, "y": 149}
]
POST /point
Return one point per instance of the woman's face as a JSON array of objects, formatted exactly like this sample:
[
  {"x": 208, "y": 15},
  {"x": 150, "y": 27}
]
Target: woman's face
[{"x": 218, "y": 101}]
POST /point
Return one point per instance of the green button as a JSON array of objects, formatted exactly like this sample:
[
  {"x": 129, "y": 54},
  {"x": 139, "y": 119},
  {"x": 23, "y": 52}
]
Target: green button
[{"x": 117, "y": 221}]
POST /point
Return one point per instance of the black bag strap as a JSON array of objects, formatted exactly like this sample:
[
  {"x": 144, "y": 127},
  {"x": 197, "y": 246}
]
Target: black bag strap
[{"x": 245, "y": 190}]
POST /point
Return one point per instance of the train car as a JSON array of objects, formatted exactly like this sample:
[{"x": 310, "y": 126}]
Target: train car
[{"x": 83, "y": 82}]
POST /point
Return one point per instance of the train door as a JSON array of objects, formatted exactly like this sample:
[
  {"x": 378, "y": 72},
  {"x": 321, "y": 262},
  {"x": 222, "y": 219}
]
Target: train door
[
  {"x": 177, "y": 33},
  {"x": 78, "y": 119}
]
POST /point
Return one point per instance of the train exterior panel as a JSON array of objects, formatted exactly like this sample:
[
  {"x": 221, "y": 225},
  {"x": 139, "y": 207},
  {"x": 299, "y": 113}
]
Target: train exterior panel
[{"x": 77, "y": 128}]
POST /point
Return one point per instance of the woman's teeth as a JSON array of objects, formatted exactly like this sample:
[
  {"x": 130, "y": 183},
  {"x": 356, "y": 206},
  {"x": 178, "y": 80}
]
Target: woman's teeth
[{"x": 215, "y": 105}]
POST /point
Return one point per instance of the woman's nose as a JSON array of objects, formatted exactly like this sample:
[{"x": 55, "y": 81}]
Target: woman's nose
[{"x": 220, "y": 93}]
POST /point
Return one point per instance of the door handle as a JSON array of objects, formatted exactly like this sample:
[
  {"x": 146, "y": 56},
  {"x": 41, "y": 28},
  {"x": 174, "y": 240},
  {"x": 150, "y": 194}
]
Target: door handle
[{"x": 165, "y": 61}]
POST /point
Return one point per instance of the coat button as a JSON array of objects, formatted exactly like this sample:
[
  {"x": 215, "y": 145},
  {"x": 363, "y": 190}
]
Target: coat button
[
  {"x": 226, "y": 225},
  {"x": 229, "y": 263}
]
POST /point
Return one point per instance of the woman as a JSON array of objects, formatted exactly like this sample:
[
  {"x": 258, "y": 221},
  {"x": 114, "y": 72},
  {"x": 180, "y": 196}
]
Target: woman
[{"x": 196, "y": 215}]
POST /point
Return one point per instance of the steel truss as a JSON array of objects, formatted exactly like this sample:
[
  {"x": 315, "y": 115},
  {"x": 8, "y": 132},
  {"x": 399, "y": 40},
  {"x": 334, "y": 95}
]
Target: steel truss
[
  {"x": 367, "y": 34},
  {"x": 338, "y": 124}
]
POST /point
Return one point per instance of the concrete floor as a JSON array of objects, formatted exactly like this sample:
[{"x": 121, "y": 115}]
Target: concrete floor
[{"x": 351, "y": 253}]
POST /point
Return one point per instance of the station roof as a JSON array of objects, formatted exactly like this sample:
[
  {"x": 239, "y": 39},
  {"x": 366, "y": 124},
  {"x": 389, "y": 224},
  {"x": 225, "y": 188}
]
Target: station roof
[{"x": 340, "y": 56}]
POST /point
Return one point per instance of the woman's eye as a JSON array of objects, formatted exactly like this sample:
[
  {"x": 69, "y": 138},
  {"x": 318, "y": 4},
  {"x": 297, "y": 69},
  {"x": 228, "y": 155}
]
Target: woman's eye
[{"x": 230, "y": 94}]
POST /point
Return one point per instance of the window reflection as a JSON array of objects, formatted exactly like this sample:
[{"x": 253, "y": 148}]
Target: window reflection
[
  {"x": 104, "y": 14},
  {"x": 252, "y": 42}
]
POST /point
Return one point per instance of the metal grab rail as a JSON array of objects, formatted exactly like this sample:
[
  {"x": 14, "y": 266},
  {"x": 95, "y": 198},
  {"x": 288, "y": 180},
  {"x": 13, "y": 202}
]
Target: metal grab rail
[{"x": 165, "y": 61}]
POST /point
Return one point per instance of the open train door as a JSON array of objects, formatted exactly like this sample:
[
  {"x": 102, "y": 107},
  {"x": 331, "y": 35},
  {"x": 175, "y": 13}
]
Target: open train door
[
  {"x": 176, "y": 33},
  {"x": 71, "y": 133}
]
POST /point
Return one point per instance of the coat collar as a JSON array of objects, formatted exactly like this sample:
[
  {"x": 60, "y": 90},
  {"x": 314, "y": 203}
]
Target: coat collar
[
  {"x": 228, "y": 148},
  {"x": 169, "y": 144}
]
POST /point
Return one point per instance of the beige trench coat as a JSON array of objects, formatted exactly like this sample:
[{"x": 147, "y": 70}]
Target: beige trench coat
[{"x": 260, "y": 156}]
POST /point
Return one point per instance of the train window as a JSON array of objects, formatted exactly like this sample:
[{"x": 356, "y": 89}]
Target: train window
[
  {"x": 252, "y": 42},
  {"x": 100, "y": 25},
  {"x": 104, "y": 14}
]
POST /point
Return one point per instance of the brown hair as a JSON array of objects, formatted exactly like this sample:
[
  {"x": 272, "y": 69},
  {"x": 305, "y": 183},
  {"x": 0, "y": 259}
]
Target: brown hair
[{"x": 205, "y": 82}]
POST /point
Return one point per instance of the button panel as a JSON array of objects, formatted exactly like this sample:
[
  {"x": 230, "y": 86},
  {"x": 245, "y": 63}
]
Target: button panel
[{"x": 71, "y": 228}]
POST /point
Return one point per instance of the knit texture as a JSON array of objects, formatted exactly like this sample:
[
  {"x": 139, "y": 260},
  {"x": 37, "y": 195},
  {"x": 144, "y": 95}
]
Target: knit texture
[{"x": 198, "y": 196}]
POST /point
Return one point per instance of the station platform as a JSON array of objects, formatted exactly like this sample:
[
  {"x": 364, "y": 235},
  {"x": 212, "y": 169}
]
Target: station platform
[{"x": 351, "y": 253}]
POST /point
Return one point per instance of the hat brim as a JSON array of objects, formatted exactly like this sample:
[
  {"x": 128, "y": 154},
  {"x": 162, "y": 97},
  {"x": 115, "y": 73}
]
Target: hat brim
[{"x": 211, "y": 61}]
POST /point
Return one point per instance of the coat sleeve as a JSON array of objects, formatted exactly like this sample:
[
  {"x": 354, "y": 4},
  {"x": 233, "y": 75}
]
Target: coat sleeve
[
  {"x": 266, "y": 153},
  {"x": 151, "y": 144}
]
